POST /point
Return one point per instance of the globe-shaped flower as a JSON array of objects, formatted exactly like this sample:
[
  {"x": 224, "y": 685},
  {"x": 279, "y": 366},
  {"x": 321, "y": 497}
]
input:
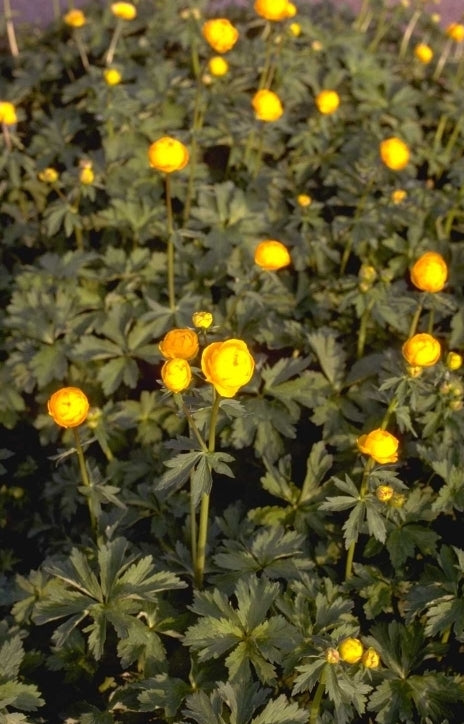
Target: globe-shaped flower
[
  {"x": 380, "y": 445},
  {"x": 267, "y": 105},
  {"x": 398, "y": 196},
  {"x": 454, "y": 361},
  {"x": 456, "y": 32},
  {"x": 179, "y": 343},
  {"x": 430, "y": 272},
  {"x": 86, "y": 173},
  {"x": 272, "y": 255},
  {"x": 176, "y": 374},
  {"x": 394, "y": 153},
  {"x": 202, "y": 320},
  {"x": 124, "y": 11},
  {"x": 220, "y": 34},
  {"x": 423, "y": 53},
  {"x": 218, "y": 66},
  {"x": 351, "y": 650},
  {"x": 48, "y": 175},
  {"x": 8, "y": 115},
  {"x": 227, "y": 366},
  {"x": 304, "y": 200},
  {"x": 112, "y": 76},
  {"x": 384, "y": 493},
  {"x": 422, "y": 350},
  {"x": 370, "y": 658},
  {"x": 68, "y": 406},
  {"x": 168, "y": 154},
  {"x": 272, "y": 9},
  {"x": 75, "y": 18},
  {"x": 327, "y": 102}
]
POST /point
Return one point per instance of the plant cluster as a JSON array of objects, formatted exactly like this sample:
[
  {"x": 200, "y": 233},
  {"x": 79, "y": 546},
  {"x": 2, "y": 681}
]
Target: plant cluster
[{"x": 231, "y": 399}]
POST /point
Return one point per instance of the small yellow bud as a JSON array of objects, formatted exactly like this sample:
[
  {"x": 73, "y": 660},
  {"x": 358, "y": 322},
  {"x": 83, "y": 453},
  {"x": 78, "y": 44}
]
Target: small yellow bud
[
  {"x": 414, "y": 370},
  {"x": 295, "y": 29},
  {"x": 304, "y": 200},
  {"x": 398, "y": 196},
  {"x": 86, "y": 174},
  {"x": 453, "y": 361},
  {"x": 370, "y": 658},
  {"x": 49, "y": 175},
  {"x": 112, "y": 76},
  {"x": 384, "y": 493},
  {"x": 202, "y": 320},
  {"x": 332, "y": 656}
]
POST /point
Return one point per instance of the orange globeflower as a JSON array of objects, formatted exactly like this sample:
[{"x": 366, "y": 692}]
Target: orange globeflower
[
  {"x": 75, "y": 18},
  {"x": 124, "y": 11},
  {"x": 220, "y": 34},
  {"x": 179, "y": 343},
  {"x": 272, "y": 255},
  {"x": 227, "y": 366},
  {"x": 267, "y": 105},
  {"x": 176, "y": 374},
  {"x": 394, "y": 153},
  {"x": 456, "y": 32},
  {"x": 422, "y": 350},
  {"x": 351, "y": 650},
  {"x": 327, "y": 102},
  {"x": 272, "y": 9},
  {"x": 168, "y": 154},
  {"x": 68, "y": 406},
  {"x": 430, "y": 272},
  {"x": 381, "y": 445},
  {"x": 8, "y": 115}
]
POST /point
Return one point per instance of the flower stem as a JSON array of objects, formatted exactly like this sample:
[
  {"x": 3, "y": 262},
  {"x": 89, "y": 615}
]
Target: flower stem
[
  {"x": 362, "y": 492},
  {"x": 10, "y": 29},
  {"x": 363, "y": 328},
  {"x": 113, "y": 43},
  {"x": 408, "y": 32},
  {"x": 415, "y": 319},
  {"x": 170, "y": 245},
  {"x": 197, "y": 124},
  {"x": 86, "y": 481},
  {"x": 442, "y": 59},
  {"x": 81, "y": 49},
  {"x": 316, "y": 702}
]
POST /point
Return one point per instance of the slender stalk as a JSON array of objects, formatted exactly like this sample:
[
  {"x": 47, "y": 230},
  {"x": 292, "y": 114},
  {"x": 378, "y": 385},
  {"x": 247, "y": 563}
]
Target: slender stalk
[
  {"x": 361, "y": 15},
  {"x": 442, "y": 59},
  {"x": 10, "y": 29},
  {"x": 79, "y": 239},
  {"x": 81, "y": 49},
  {"x": 363, "y": 328},
  {"x": 408, "y": 32},
  {"x": 316, "y": 702},
  {"x": 170, "y": 244},
  {"x": 362, "y": 492},
  {"x": 415, "y": 319},
  {"x": 114, "y": 41},
  {"x": 197, "y": 124},
  {"x": 85, "y": 481},
  {"x": 6, "y": 136},
  {"x": 56, "y": 9},
  {"x": 357, "y": 214}
]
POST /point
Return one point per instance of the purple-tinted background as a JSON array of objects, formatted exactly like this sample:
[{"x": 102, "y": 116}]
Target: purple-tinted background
[{"x": 41, "y": 11}]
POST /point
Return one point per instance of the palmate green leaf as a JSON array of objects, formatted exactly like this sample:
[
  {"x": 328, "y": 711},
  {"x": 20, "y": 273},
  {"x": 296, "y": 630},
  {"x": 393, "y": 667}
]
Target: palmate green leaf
[
  {"x": 281, "y": 711},
  {"x": 164, "y": 692},
  {"x": 11, "y": 655},
  {"x": 309, "y": 675},
  {"x": 95, "y": 716},
  {"x": 430, "y": 695},
  {"x": 353, "y": 525},
  {"x": 141, "y": 643},
  {"x": 118, "y": 371},
  {"x": 402, "y": 542},
  {"x": 330, "y": 353},
  {"x": 14, "y": 718},
  {"x": 242, "y": 698},
  {"x": 179, "y": 469},
  {"x": 318, "y": 465},
  {"x": 25, "y": 697},
  {"x": 203, "y": 709}
]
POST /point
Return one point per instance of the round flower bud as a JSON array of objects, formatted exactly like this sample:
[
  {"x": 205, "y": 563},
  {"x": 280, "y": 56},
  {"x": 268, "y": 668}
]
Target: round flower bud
[
  {"x": 179, "y": 343},
  {"x": 124, "y": 11},
  {"x": 295, "y": 29},
  {"x": 272, "y": 9},
  {"x": 220, "y": 34},
  {"x": 351, "y": 650},
  {"x": 414, "y": 371},
  {"x": 370, "y": 658},
  {"x": 218, "y": 66},
  {"x": 367, "y": 273},
  {"x": 75, "y": 18},
  {"x": 8, "y": 115},
  {"x": 332, "y": 656},
  {"x": 304, "y": 200},
  {"x": 384, "y": 493},
  {"x": 422, "y": 350},
  {"x": 272, "y": 255},
  {"x": 398, "y": 196},
  {"x": 456, "y": 32},
  {"x": 430, "y": 272},
  {"x": 423, "y": 53},
  {"x": 202, "y": 320},
  {"x": 112, "y": 76},
  {"x": 453, "y": 361},
  {"x": 394, "y": 153},
  {"x": 176, "y": 374},
  {"x": 86, "y": 174},
  {"x": 168, "y": 154},
  {"x": 381, "y": 445},
  {"x": 68, "y": 407},
  {"x": 267, "y": 105},
  {"x": 327, "y": 102},
  {"x": 48, "y": 175},
  {"x": 227, "y": 366}
]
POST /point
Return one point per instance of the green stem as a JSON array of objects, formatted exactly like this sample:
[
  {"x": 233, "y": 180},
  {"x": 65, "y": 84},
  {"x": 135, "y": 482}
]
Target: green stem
[
  {"x": 81, "y": 49},
  {"x": 362, "y": 492},
  {"x": 364, "y": 10},
  {"x": 415, "y": 319},
  {"x": 113, "y": 43},
  {"x": 363, "y": 328},
  {"x": 357, "y": 214},
  {"x": 10, "y": 29},
  {"x": 170, "y": 244},
  {"x": 408, "y": 32},
  {"x": 197, "y": 124},
  {"x": 316, "y": 702},
  {"x": 79, "y": 240},
  {"x": 85, "y": 481},
  {"x": 442, "y": 59}
]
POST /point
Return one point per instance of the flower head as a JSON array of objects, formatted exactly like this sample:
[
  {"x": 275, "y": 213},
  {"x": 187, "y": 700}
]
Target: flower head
[
  {"x": 75, "y": 18},
  {"x": 332, "y": 656},
  {"x": 272, "y": 255},
  {"x": 423, "y": 53},
  {"x": 394, "y": 153},
  {"x": 179, "y": 343},
  {"x": 422, "y": 350},
  {"x": 430, "y": 272},
  {"x": 370, "y": 658},
  {"x": 112, "y": 76},
  {"x": 454, "y": 361},
  {"x": 176, "y": 374},
  {"x": 8, "y": 115},
  {"x": 68, "y": 406},
  {"x": 327, "y": 102},
  {"x": 202, "y": 320},
  {"x": 381, "y": 445},
  {"x": 220, "y": 34},
  {"x": 295, "y": 29},
  {"x": 267, "y": 105},
  {"x": 304, "y": 200},
  {"x": 272, "y": 9},
  {"x": 351, "y": 650},
  {"x": 227, "y": 366},
  {"x": 384, "y": 493},
  {"x": 218, "y": 66},
  {"x": 86, "y": 173},
  {"x": 124, "y": 11},
  {"x": 48, "y": 175},
  {"x": 398, "y": 196},
  {"x": 456, "y": 32},
  {"x": 168, "y": 154}
]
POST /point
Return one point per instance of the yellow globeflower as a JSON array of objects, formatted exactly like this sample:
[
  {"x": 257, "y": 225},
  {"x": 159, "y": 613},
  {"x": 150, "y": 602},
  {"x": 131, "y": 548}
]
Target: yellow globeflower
[
  {"x": 453, "y": 361},
  {"x": 49, "y": 175},
  {"x": 179, "y": 343},
  {"x": 370, "y": 658},
  {"x": 112, "y": 76},
  {"x": 267, "y": 105},
  {"x": 68, "y": 406},
  {"x": 422, "y": 350},
  {"x": 272, "y": 9},
  {"x": 272, "y": 255},
  {"x": 86, "y": 174},
  {"x": 430, "y": 272},
  {"x": 168, "y": 154},
  {"x": 218, "y": 66},
  {"x": 351, "y": 650},
  {"x": 124, "y": 11},
  {"x": 220, "y": 34},
  {"x": 398, "y": 196},
  {"x": 384, "y": 493},
  {"x": 75, "y": 18},
  {"x": 394, "y": 153},
  {"x": 227, "y": 366},
  {"x": 295, "y": 29},
  {"x": 456, "y": 32},
  {"x": 423, "y": 52},
  {"x": 8, "y": 115},
  {"x": 202, "y": 320},
  {"x": 381, "y": 445},
  {"x": 176, "y": 374},
  {"x": 304, "y": 200},
  {"x": 327, "y": 102}
]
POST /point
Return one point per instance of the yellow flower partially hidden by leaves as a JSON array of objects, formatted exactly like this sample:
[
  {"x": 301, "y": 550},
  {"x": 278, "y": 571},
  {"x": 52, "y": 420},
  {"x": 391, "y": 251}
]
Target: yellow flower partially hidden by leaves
[
  {"x": 220, "y": 34},
  {"x": 453, "y": 361},
  {"x": 112, "y": 76},
  {"x": 168, "y": 155},
  {"x": 422, "y": 350},
  {"x": 176, "y": 374},
  {"x": 179, "y": 343},
  {"x": 430, "y": 272},
  {"x": 227, "y": 366},
  {"x": 384, "y": 493},
  {"x": 75, "y": 18},
  {"x": 218, "y": 66},
  {"x": 68, "y": 407},
  {"x": 267, "y": 105},
  {"x": 272, "y": 9},
  {"x": 202, "y": 320},
  {"x": 423, "y": 53},
  {"x": 48, "y": 175},
  {"x": 272, "y": 255},
  {"x": 86, "y": 173},
  {"x": 351, "y": 650},
  {"x": 124, "y": 11},
  {"x": 8, "y": 115},
  {"x": 327, "y": 102},
  {"x": 370, "y": 658},
  {"x": 398, "y": 196},
  {"x": 380, "y": 445},
  {"x": 394, "y": 153},
  {"x": 456, "y": 32}
]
